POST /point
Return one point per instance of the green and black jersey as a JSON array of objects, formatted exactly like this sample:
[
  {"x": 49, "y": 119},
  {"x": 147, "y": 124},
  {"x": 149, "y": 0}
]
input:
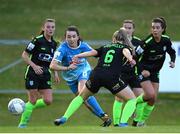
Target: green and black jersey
[
  {"x": 136, "y": 41},
  {"x": 41, "y": 50},
  {"x": 111, "y": 58},
  {"x": 154, "y": 53},
  {"x": 127, "y": 68}
]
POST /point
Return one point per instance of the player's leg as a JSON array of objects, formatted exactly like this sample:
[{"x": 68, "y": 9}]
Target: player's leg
[
  {"x": 117, "y": 109},
  {"x": 46, "y": 98},
  {"x": 139, "y": 106},
  {"x": 149, "y": 108},
  {"x": 149, "y": 97},
  {"x": 45, "y": 91},
  {"x": 73, "y": 106},
  {"x": 91, "y": 101},
  {"x": 76, "y": 87},
  {"x": 29, "y": 107},
  {"x": 129, "y": 106}
]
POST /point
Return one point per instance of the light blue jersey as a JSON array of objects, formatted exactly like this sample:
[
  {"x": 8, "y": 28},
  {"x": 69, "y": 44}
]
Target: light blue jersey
[{"x": 64, "y": 55}]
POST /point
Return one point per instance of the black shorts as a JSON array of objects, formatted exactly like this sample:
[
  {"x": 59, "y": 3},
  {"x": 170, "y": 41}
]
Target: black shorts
[
  {"x": 101, "y": 78},
  {"x": 34, "y": 81},
  {"x": 154, "y": 77},
  {"x": 131, "y": 79}
]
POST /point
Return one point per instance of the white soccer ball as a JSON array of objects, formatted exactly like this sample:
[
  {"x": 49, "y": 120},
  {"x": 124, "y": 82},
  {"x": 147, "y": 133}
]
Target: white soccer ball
[{"x": 16, "y": 106}]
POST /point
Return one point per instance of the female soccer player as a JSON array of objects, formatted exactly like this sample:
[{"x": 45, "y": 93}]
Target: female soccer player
[
  {"x": 128, "y": 75},
  {"x": 76, "y": 74},
  {"x": 111, "y": 59},
  {"x": 38, "y": 55},
  {"x": 153, "y": 54}
]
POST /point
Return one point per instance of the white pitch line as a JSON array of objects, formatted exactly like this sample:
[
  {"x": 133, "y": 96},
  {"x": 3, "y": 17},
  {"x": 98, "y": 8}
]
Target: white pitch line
[{"x": 10, "y": 65}]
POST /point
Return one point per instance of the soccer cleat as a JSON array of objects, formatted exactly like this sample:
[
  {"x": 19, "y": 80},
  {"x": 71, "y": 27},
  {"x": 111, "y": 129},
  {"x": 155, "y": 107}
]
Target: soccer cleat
[
  {"x": 123, "y": 125},
  {"x": 60, "y": 121},
  {"x": 140, "y": 124},
  {"x": 134, "y": 123},
  {"x": 107, "y": 121},
  {"x": 22, "y": 125},
  {"x": 116, "y": 125}
]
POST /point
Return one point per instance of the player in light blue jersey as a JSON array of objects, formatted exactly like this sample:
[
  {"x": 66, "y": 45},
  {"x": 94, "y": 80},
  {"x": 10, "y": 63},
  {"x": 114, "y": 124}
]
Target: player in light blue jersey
[{"x": 76, "y": 74}]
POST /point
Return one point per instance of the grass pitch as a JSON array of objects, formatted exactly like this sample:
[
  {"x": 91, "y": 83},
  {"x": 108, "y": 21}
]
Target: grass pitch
[
  {"x": 92, "y": 129},
  {"x": 164, "y": 118}
]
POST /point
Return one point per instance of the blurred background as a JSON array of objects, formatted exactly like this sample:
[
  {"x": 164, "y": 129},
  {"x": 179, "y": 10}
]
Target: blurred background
[{"x": 21, "y": 20}]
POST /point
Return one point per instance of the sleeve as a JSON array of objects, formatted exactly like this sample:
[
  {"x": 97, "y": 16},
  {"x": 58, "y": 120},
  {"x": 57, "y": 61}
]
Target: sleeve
[
  {"x": 30, "y": 48},
  {"x": 59, "y": 54},
  {"x": 86, "y": 47},
  {"x": 171, "y": 51}
]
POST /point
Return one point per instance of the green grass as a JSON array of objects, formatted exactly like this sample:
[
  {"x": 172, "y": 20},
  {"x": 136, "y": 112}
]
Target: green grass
[
  {"x": 92, "y": 129},
  {"x": 96, "y": 20},
  {"x": 163, "y": 119}
]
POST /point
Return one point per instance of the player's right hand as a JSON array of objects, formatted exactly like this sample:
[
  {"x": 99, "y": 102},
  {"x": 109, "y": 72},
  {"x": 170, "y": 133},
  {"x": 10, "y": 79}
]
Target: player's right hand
[
  {"x": 38, "y": 69},
  {"x": 145, "y": 73}
]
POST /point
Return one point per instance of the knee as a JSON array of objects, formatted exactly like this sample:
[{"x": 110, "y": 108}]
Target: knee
[
  {"x": 33, "y": 101},
  {"x": 48, "y": 101},
  {"x": 150, "y": 98}
]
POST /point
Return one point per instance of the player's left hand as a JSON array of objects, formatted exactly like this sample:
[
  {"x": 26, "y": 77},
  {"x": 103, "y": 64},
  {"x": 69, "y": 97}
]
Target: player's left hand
[
  {"x": 75, "y": 59},
  {"x": 56, "y": 77}
]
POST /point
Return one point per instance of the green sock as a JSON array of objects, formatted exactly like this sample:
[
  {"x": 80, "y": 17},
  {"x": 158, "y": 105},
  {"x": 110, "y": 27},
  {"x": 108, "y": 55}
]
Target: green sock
[
  {"x": 140, "y": 98},
  {"x": 27, "y": 113},
  {"x": 139, "y": 111},
  {"x": 73, "y": 106},
  {"x": 117, "y": 106},
  {"x": 128, "y": 110},
  {"x": 40, "y": 103},
  {"x": 147, "y": 111}
]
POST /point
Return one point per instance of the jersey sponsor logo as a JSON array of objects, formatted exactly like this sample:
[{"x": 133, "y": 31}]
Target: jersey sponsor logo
[
  {"x": 157, "y": 57},
  {"x": 45, "y": 57},
  {"x": 30, "y": 46}
]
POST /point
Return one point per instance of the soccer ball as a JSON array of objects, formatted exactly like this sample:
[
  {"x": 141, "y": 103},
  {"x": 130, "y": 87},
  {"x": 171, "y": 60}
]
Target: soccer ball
[{"x": 16, "y": 106}]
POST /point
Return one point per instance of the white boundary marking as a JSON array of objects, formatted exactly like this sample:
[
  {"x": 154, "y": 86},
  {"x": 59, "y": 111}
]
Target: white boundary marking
[{"x": 10, "y": 65}]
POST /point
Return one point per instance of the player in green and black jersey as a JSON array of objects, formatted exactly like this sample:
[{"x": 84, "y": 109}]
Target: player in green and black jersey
[
  {"x": 129, "y": 75},
  {"x": 107, "y": 74},
  {"x": 153, "y": 54},
  {"x": 38, "y": 55}
]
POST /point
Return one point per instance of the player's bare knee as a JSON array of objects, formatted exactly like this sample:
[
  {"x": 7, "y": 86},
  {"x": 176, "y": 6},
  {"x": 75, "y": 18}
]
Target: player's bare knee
[{"x": 48, "y": 101}]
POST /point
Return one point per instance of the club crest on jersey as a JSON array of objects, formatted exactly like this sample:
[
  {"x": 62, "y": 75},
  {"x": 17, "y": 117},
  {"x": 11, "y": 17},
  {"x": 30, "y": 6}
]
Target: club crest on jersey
[
  {"x": 164, "y": 48},
  {"x": 31, "y": 83}
]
